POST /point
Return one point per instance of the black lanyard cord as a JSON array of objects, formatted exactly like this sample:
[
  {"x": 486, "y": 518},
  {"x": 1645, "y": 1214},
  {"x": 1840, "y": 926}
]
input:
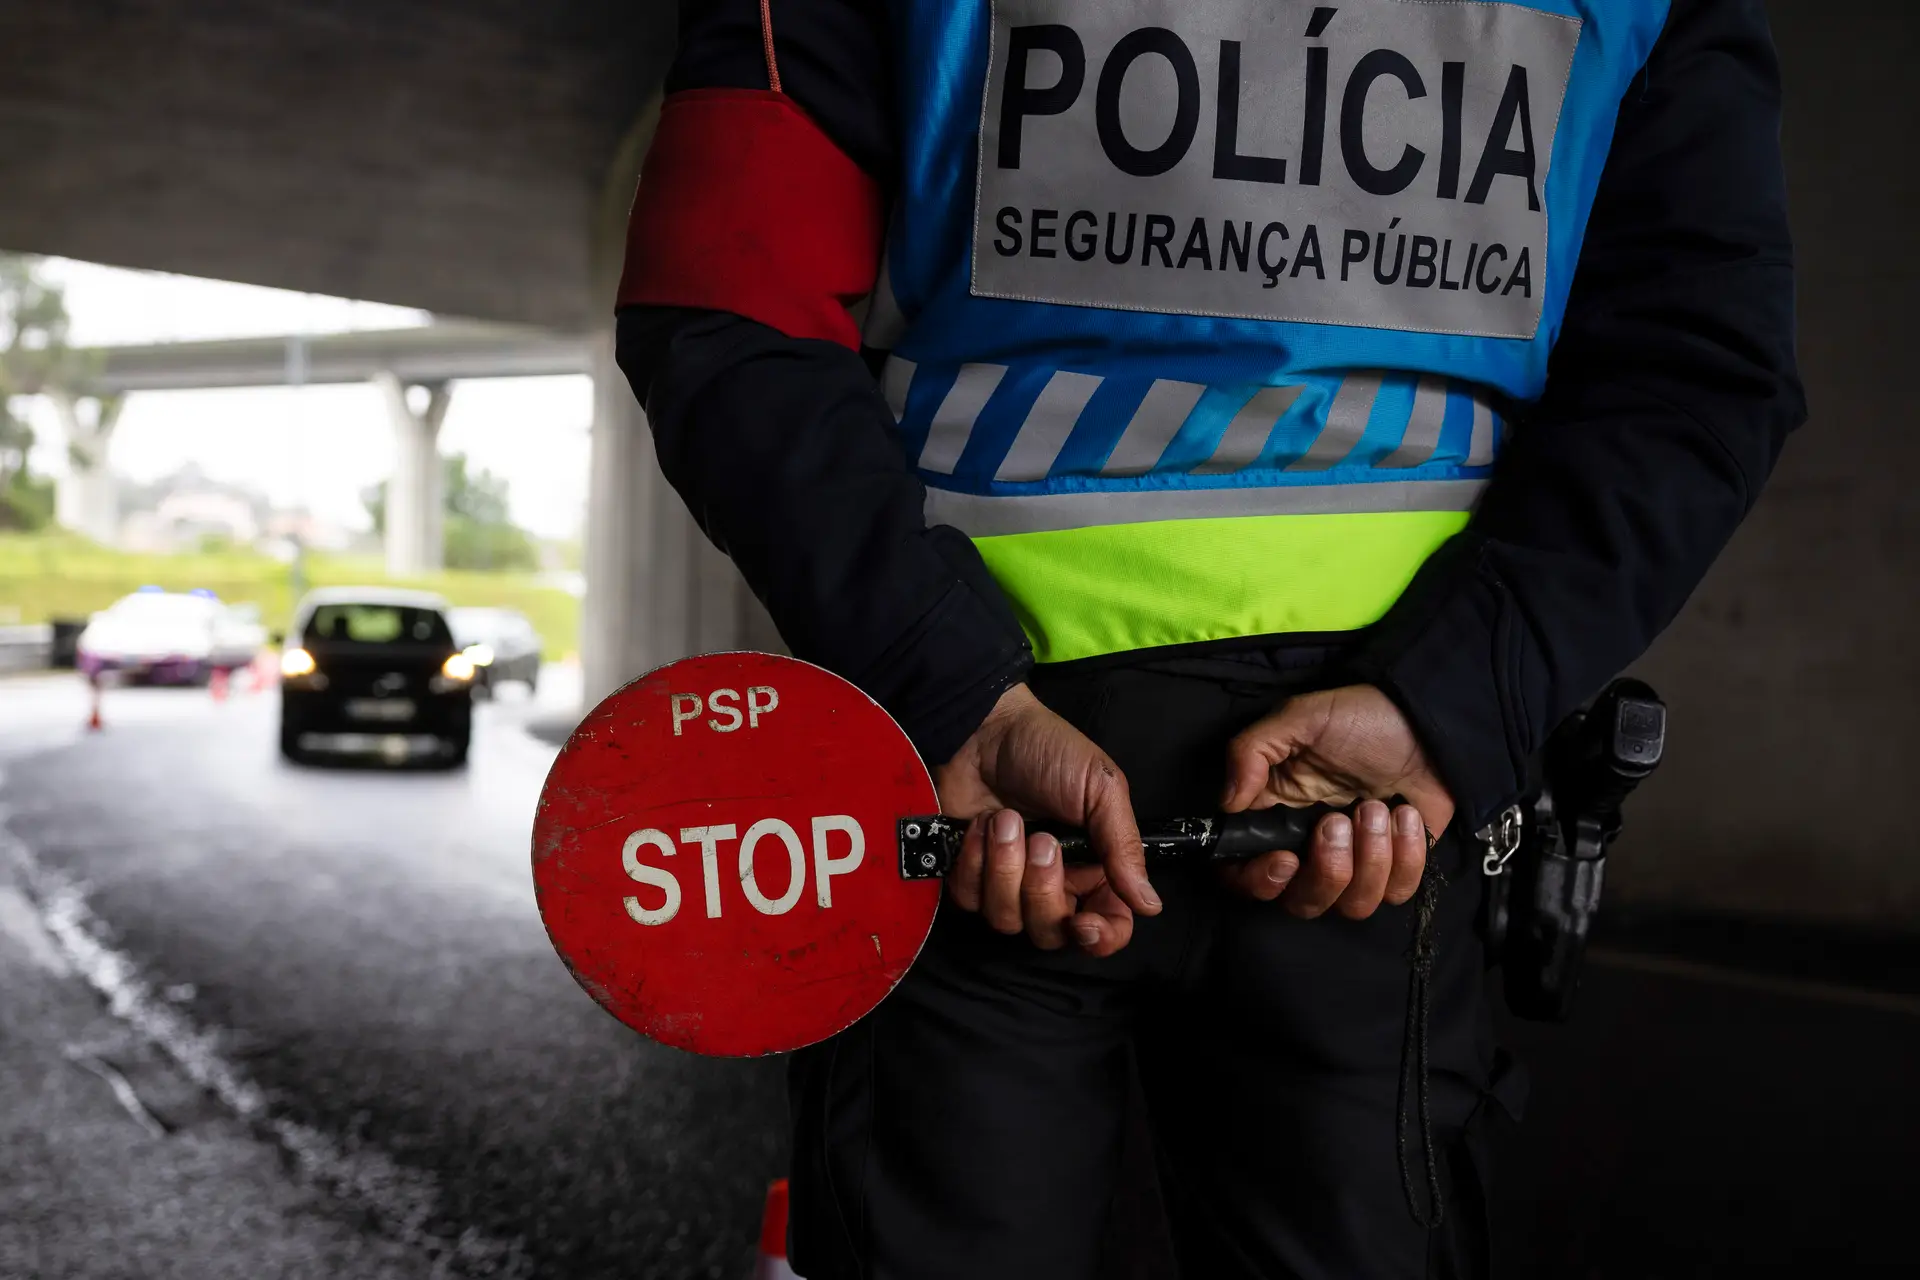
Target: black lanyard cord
[{"x": 1415, "y": 1069}]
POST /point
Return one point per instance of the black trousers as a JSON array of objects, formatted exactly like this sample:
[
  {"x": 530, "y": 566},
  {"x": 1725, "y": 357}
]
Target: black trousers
[{"x": 971, "y": 1126}]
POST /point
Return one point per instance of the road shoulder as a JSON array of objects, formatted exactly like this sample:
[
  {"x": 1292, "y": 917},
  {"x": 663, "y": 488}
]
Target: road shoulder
[{"x": 118, "y": 1166}]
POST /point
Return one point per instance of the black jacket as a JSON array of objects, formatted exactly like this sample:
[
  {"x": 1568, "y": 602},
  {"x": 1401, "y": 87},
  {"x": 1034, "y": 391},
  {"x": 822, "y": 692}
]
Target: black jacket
[{"x": 1670, "y": 394}]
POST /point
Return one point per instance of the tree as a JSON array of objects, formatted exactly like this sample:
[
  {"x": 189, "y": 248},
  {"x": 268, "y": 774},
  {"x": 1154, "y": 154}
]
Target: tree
[
  {"x": 479, "y": 533},
  {"x": 33, "y": 353},
  {"x": 480, "y": 496}
]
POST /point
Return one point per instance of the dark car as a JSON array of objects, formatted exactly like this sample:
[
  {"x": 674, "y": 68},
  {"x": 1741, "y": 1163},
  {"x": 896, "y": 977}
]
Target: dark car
[
  {"x": 370, "y": 669},
  {"x": 502, "y": 643}
]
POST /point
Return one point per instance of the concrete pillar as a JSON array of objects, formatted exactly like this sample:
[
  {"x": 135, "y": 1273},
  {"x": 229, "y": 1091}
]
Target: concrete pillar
[
  {"x": 415, "y": 519},
  {"x": 613, "y": 645},
  {"x": 85, "y": 499},
  {"x": 656, "y": 588}
]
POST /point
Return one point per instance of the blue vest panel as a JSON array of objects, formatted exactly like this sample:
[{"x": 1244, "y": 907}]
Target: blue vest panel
[{"x": 1161, "y": 258}]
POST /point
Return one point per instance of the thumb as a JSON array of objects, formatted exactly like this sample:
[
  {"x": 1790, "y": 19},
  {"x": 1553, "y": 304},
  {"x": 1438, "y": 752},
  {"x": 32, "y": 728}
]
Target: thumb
[
  {"x": 1116, "y": 836},
  {"x": 1268, "y": 743}
]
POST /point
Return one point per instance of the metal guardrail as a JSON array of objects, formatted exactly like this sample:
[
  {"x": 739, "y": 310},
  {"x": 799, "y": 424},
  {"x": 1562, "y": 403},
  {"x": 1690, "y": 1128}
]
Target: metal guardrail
[{"x": 26, "y": 648}]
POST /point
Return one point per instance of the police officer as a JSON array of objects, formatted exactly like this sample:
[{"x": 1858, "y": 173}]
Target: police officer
[{"x": 1258, "y": 402}]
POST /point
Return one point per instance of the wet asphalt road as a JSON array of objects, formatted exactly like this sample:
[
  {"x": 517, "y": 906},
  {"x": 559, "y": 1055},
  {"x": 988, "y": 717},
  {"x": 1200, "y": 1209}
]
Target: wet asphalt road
[{"x": 361, "y": 946}]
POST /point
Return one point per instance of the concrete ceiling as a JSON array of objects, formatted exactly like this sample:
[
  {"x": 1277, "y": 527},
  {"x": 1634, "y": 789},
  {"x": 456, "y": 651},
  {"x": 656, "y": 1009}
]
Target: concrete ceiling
[{"x": 446, "y": 154}]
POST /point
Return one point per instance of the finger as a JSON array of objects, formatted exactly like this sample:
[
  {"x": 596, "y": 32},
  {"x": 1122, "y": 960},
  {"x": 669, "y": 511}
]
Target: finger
[
  {"x": 1409, "y": 854},
  {"x": 1103, "y": 924},
  {"x": 1116, "y": 838},
  {"x": 1250, "y": 761},
  {"x": 963, "y": 877},
  {"x": 1044, "y": 903},
  {"x": 1372, "y": 861},
  {"x": 1259, "y": 749},
  {"x": 1263, "y": 878},
  {"x": 1084, "y": 879},
  {"x": 1328, "y": 867},
  {"x": 1006, "y": 868}
]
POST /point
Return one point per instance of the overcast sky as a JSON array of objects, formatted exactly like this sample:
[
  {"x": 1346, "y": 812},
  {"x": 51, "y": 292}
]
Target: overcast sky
[{"x": 317, "y": 446}]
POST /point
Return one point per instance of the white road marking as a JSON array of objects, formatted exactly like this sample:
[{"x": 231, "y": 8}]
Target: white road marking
[{"x": 20, "y": 923}]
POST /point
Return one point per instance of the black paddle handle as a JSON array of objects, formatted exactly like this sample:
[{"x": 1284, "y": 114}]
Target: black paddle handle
[{"x": 929, "y": 845}]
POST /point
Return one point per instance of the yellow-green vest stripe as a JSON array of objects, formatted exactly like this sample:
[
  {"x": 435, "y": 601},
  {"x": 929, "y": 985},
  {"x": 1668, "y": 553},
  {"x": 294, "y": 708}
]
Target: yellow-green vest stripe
[{"x": 1109, "y": 588}]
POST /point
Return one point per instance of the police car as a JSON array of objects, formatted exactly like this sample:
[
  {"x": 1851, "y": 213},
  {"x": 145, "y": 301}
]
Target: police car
[{"x": 156, "y": 636}]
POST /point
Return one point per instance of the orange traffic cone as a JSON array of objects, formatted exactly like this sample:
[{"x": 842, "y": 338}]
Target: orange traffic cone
[
  {"x": 217, "y": 684},
  {"x": 93, "y": 715},
  {"x": 772, "y": 1262}
]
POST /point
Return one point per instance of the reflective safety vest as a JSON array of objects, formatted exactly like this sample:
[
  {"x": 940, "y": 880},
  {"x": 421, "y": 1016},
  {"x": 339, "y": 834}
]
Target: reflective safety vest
[{"x": 1203, "y": 314}]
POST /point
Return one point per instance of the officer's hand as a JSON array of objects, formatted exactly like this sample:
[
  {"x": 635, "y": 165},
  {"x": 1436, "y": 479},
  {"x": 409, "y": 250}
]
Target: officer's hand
[
  {"x": 1024, "y": 758},
  {"x": 1336, "y": 747}
]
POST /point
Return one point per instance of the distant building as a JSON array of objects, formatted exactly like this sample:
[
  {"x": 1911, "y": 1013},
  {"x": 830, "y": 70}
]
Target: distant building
[
  {"x": 193, "y": 516},
  {"x": 313, "y": 533},
  {"x": 188, "y": 509}
]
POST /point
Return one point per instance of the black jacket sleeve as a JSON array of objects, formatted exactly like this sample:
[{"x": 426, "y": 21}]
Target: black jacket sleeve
[
  {"x": 784, "y": 450},
  {"x": 1669, "y": 396}
]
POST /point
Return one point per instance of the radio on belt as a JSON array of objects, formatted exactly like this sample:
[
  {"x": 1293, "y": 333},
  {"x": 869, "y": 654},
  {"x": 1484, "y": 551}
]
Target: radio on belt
[{"x": 739, "y": 854}]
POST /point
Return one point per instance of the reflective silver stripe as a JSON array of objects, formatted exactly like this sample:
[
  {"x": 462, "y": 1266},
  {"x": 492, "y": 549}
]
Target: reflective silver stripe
[
  {"x": 895, "y": 377},
  {"x": 984, "y": 517},
  {"x": 953, "y": 420},
  {"x": 884, "y": 325},
  {"x": 1346, "y": 423},
  {"x": 1423, "y": 425},
  {"x": 1048, "y": 425},
  {"x": 1153, "y": 426},
  {"x": 1480, "y": 449},
  {"x": 1247, "y": 434}
]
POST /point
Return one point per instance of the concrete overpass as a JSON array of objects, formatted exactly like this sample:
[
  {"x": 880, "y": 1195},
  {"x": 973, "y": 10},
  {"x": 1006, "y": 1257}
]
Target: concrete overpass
[
  {"x": 428, "y": 358},
  {"x": 452, "y": 155},
  {"x": 441, "y": 352},
  {"x": 476, "y": 157}
]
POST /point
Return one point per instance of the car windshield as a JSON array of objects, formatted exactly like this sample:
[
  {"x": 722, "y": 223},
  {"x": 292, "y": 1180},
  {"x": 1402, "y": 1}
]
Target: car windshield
[{"x": 377, "y": 624}]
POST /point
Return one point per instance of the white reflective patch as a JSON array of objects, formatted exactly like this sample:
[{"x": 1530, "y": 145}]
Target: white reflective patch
[
  {"x": 1423, "y": 426},
  {"x": 1347, "y": 421},
  {"x": 1249, "y": 431},
  {"x": 895, "y": 377},
  {"x": 987, "y": 516},
  {"x": 953, "y": 420},
  {"x": 1480, "y": 446},
  {"x": 1153, "y": 426},
  {"x": 885, "y": 324},
  {"x": 1048, "y": 424},
  {"x": 1386, "y": 170}
]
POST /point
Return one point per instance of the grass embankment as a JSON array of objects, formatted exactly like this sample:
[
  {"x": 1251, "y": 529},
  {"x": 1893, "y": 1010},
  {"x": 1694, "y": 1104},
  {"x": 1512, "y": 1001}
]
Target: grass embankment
[{"x": 46, "y": 576}]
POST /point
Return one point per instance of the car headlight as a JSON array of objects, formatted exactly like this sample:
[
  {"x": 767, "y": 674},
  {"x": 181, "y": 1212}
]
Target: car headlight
[
  {"x": 295, "y": 663},
  {"x": 481, "y": 654},
  {"x": 459, "y": 667}
]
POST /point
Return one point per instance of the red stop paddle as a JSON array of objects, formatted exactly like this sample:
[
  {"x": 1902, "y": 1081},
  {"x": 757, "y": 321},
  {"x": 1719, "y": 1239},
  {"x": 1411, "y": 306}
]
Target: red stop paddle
[{"x": 715, "y": 854}]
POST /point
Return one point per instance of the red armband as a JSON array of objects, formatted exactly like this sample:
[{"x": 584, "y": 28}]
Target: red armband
[{"x": 745, "y": 205}]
